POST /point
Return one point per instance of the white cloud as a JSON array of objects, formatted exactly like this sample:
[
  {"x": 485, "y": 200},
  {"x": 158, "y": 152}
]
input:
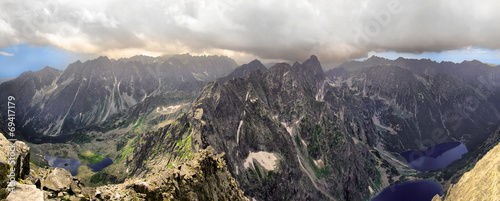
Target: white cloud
[
  {"x": 6, "y": 54},
  {"x": 285, "y": 30}
]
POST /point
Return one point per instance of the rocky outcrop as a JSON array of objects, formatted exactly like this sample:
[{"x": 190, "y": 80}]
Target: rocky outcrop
[
  {"x": 25, "y": 192},
  {"x": 58, "y": 183},
  {"x": 14, "y": 156},
  {"x": 203, "y": 177},
  {"x": 57, "y": 179},
  {"x": 243, "y": 70},
  {"x": 34, "y": 183},
  {"x": 481, "y": 183}
]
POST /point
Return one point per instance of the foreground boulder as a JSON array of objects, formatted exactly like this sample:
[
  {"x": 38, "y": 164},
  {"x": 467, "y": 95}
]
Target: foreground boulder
[
  {"x": 57, "y": 183},
  {"x": 22, "y": 162},
  {"x": 57, "y": 179},
  {"x": 24, "y": 192}
]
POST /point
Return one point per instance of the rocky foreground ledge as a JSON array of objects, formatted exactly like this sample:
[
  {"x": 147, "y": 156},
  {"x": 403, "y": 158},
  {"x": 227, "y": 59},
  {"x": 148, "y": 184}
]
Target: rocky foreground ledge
[
  {"x": 204, "y": 177},
  {"x": 481, "y": 183}
]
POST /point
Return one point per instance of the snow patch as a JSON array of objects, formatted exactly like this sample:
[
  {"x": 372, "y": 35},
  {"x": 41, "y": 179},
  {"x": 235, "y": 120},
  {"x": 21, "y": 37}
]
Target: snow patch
[
  {"x": 376, "y": 121},
  {"x": 171, "y": 108},
  {"x": 246, "y": 97},
  {"x": 321, "y": 92},
  {"x": 265, "y": 159},
  {"x": 288, "y": 128},
  {"x": 303, "y": 142},
  {"x": 238, "y": 133}
]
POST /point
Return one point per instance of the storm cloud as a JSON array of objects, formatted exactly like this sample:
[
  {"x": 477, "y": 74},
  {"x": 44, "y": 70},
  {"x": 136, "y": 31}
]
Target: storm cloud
[{"x": 335, "y": 31}]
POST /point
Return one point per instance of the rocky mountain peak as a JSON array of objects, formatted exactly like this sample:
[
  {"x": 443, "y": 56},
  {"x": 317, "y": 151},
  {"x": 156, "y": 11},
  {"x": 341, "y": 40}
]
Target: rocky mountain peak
[
  {"x": 376, "y": 59},
  {"x": 280, "y": 67},
  {"x": 255, "y": 62},
  {"x": 314, "y": 66},
  {"x": 313, "y": 58},
  {"x": 48, "y": 68},
  {"x": 243, "y": 70},
  {"x": 102, "y": 58}
]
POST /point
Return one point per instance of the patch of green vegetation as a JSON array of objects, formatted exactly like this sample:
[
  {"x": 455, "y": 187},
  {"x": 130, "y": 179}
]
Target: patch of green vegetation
[
  {"x": 39, "y": 164},
  {"x": 121, "y": 143},
  {"x": 257, "y": 170},
  {"x": 134, "y": 141},
  {"x": 366, "y": 197},
  {"x": 90, "y": 157},
  {"x": 142, "y": 119},
  {"x": 184, "y": 147},
  {"x": 96, "y": 178},
  {"x": 252, "y": 173},
  {"x": 170, "y": 166},
  {"x": 139, "y": 123},
  {"x": 270, "y": 174},
  {"x": 379, "y": 180},
  {"x": 126, "y": 152},
  {"x": 297, "y": 141},
  {"x": 320, "y": 172}
]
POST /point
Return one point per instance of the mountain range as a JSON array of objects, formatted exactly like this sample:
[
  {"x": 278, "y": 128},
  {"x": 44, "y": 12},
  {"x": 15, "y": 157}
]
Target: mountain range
[
  {"x": 56, "y": 103},
  {"x": 290, "y": 132}
]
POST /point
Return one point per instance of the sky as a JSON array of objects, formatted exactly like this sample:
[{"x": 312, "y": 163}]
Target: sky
[{"x": 334, "y": 30}]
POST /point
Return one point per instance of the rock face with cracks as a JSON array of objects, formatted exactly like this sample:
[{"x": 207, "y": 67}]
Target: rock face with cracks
[
  {"x": 204, "y": 177},
  {"x": 18, "y": 153}
]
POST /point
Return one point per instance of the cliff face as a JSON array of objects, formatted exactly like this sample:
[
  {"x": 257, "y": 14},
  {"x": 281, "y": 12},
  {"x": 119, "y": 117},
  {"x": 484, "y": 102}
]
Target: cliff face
[
  {"x": 21, "y": 157},
  {"x": 282, "y": 131},
  {"x": 203, "y": 177},
  {"x": 421, "y": 103},
  {"x": 481, "y": 183}
]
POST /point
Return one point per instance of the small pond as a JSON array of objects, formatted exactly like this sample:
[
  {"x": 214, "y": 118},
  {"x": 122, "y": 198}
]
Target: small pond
[
  {"x": 435, "y": 157},
  {"x": 423, "y": 190},
  {"x": 96, "y": 167},
  {"x": 70, "y": 164}
]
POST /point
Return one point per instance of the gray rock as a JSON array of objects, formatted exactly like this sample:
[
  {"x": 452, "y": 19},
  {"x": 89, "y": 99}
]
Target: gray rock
[
  {"x": 58, "y": 180},
  {"x": 23, "y": 160},
  {"x": 21, "y": 167},
  {"x": 75, "y": 186},
  {"x": 24, "y": 192}
]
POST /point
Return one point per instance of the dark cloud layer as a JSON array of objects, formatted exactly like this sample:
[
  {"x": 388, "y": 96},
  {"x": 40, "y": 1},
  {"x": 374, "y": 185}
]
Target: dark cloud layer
[{"x": 284, "y": 30}]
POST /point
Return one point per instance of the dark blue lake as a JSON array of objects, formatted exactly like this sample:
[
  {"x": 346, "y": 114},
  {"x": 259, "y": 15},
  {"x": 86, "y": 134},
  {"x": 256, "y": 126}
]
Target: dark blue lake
[
  {"x": 423, "y": 190},
  {"x": 105, "y": 162},
  {"x": 435, "y": 157},
  {"x": 70, "y": 164}
]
